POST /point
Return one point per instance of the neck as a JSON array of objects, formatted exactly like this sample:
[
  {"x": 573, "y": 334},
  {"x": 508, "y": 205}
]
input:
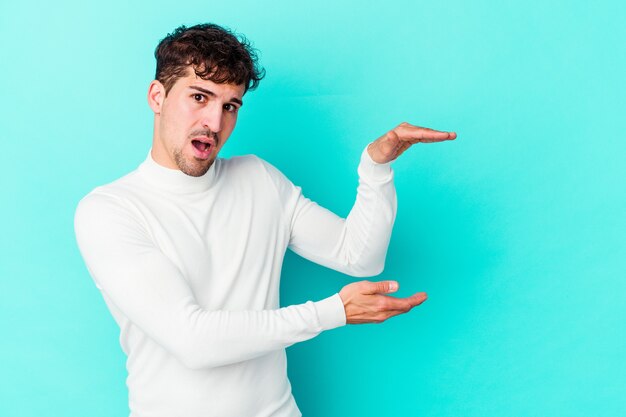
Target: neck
[{"x": 173, "y": 179}]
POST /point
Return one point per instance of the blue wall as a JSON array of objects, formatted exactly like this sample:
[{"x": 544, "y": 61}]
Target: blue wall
[{"x": 516, "y": 229}]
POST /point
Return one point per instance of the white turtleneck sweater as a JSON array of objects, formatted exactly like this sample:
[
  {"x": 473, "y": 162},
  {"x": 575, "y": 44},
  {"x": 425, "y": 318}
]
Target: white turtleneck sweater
[{"x": 190, "y": 270}]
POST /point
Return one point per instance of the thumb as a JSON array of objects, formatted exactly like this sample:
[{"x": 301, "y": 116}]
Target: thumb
[{"x": 383, "y": 287}]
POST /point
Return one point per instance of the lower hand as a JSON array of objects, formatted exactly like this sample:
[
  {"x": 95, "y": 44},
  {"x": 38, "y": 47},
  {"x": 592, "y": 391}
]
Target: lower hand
[
  {"x": 393, "y": 143},
  {"x": 365, "y": 301}
]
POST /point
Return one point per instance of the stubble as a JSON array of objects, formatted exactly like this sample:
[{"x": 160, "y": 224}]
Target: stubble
[{"x": 194, "y": 167}]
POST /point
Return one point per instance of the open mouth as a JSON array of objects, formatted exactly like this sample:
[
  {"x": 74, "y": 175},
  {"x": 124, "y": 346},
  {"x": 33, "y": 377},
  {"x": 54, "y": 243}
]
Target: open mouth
[{"x": 203, "y": 148}]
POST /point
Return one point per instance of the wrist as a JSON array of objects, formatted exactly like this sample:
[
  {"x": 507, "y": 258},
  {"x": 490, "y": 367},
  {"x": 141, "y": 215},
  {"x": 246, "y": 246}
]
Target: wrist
[
  {"x": 331, "y": 312},
  {"x": 371, "y": 170},
  {"x": 374, "y": 153}
]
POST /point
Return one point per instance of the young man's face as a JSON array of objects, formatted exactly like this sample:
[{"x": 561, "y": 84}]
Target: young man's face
[{"x": 192, "y": 122}]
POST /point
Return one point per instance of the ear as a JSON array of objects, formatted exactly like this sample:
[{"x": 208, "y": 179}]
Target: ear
[{"x": 156, "y": 95}]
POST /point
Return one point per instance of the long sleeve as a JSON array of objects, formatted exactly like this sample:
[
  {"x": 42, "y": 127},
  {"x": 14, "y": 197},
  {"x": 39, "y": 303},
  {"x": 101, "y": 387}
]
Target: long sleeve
[
  {"x": 356, "y": 245},
  {"x": 142, "y": 283}
]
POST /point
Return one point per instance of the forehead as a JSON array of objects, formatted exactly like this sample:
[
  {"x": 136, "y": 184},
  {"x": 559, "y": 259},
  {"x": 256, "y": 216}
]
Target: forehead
[{"x": 191, "y": 79}]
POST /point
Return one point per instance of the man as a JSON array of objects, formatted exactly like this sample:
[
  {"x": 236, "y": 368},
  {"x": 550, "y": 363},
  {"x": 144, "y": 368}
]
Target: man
[{"x": 187, "y": 249}]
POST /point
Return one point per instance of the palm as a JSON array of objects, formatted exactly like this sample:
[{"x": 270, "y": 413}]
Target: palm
[{"x": 393, "y": 143}]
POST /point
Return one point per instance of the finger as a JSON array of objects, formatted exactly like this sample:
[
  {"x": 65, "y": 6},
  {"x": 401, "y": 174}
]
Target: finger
[
  {"x": 381, "y": 287},
  {"x": 417, "y": 298},
  {"x": 418, "y": 140},
  {"x": 411, "y": 129},
  {"x": 405, "y": 308},
  {"x": 420, "y": 134},
  {"x": 404, "y": 304}
]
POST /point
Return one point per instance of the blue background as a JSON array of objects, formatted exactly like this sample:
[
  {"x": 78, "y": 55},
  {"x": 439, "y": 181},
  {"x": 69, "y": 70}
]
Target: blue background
[{"x": 515, "y": 230}]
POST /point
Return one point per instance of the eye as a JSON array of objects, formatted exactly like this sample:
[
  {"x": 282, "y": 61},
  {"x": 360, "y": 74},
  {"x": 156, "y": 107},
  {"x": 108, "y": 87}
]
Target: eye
[
  {"x": 200, "y": 98},
  {"x": 231, "y": 108}
]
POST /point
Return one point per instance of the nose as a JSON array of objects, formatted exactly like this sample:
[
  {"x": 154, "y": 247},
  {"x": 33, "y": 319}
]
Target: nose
[{"x": 212, "y": 117}]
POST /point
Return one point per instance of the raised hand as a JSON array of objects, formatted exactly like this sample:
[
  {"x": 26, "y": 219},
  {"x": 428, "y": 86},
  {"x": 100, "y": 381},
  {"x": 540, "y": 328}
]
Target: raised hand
[
  {"x": 393, "y": 143},
  {"x": 366, "y": 302}
]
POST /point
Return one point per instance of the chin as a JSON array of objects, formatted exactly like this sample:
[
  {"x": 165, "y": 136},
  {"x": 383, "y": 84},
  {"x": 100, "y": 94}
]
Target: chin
[
  {"x": 192, "y": 165},
  {"x": 198, "y": 169}
]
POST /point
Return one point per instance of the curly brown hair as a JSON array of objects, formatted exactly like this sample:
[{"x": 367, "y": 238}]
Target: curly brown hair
[{"x": 215, "y": 53}]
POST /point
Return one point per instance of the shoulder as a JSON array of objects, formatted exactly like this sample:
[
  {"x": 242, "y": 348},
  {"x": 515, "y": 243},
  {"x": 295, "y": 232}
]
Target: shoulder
[
  {"x": 107, "y": 201},
  {"x": 261, "y": 175},
  {"x": 105, "y": 218},
  {"x": 244, "y": 162},
  {"x": 100, "y": 207},
  {"x": 252, "y": 164}
]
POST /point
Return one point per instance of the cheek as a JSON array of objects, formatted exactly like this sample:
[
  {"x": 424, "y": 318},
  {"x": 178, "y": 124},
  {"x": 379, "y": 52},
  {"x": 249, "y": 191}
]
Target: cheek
[
  {"x": 231, "y": 121},
  {"x": 179, "y": 123}
]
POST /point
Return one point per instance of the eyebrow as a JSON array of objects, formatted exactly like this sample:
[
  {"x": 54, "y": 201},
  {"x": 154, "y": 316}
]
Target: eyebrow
[{"x": 212, "y": 94}]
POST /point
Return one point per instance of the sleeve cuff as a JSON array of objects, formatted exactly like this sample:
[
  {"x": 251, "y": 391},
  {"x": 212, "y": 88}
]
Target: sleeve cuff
[
  {"x": 331, "y": 312},
  {"x": 371, "y": 169}
]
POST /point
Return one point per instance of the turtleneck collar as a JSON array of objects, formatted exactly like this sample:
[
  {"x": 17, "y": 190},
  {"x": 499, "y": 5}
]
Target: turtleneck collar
[{"x": 175, "y": 180}]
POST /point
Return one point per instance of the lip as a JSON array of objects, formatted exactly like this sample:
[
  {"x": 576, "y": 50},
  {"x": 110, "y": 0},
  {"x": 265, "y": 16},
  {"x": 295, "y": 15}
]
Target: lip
[
  {"x": 205, "y": 139},
  {"x": 204, "y": 154}
]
